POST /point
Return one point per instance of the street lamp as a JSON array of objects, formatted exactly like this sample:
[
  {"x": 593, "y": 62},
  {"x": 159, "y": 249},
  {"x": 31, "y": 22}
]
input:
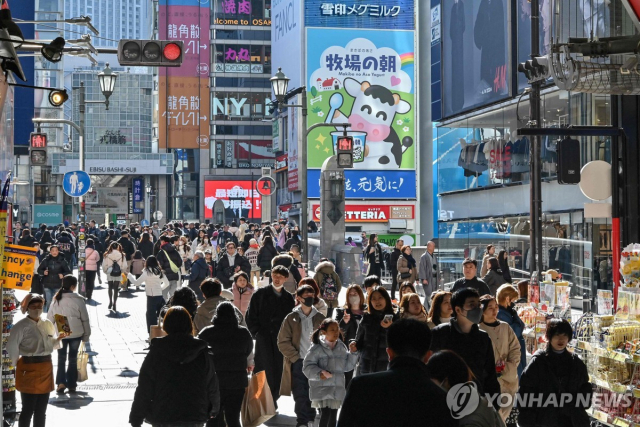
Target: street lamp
[
  {"x": 107, "y": 79},
  {"x": 52, "y": 52},
  {"x": 279, "y": 84}
]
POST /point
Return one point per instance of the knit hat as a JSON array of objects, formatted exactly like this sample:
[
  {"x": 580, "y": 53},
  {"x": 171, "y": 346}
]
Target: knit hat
[{"x": 253, "y": 242}]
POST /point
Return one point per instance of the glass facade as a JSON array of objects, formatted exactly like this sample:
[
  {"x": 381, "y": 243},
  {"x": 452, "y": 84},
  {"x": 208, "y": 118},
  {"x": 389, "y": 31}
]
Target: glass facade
[{"x": 483, "y": 192}]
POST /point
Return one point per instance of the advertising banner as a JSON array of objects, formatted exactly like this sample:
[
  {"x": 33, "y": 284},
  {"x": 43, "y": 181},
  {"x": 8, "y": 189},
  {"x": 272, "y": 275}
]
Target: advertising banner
[
  {"x": 371, "y": 213},
  {"x": 370, "y": 184},
  {"x": 475, "y": 54},
  {"x": 293, "y": 149},
  {"x": 240, "y": 198},
  {"x": 47, "y": 214},
  {"x": 109, "y": 200},
  {"x": 391, "y": 239},
  {"x": 17, "y": 267},
  {"x": 138, "y": 195},
  {"x": 286, "y": 39},
  {"x": 184, "y": 91},
  {"x": 376, "y": 14},
  {"x": 365, "y": 78}
]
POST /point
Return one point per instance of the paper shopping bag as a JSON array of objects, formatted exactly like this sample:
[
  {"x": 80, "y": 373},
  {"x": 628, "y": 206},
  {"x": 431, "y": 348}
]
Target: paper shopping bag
[
  {"x": 83, "y": 360},
  {"x": 257, "y": 405}
]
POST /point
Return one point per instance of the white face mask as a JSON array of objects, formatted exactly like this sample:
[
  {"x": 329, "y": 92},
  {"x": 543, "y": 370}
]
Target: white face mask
[
  {"x": 277, "y": 288},
  {"x": 445, "y": 319},
  {"x": 353, "y": 300},
  {"x": 35, "y": 313}
]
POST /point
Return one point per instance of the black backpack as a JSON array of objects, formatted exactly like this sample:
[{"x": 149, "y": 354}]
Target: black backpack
[{"x": 115, "y": 270}]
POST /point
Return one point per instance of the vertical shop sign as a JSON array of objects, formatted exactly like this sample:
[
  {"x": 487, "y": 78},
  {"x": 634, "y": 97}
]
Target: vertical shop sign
[
  {"x": 138, "y": 185},
  {"x": 184, "y": 91},
  {"x": 293, "y": 150}
]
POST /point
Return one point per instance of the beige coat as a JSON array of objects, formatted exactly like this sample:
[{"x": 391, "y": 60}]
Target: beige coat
[
  {"x": 507, "y": 348},
  {"x": 289, "y": 345},
  {"x": 403, "y": 267},
  {"x": 484, "y": 269}
]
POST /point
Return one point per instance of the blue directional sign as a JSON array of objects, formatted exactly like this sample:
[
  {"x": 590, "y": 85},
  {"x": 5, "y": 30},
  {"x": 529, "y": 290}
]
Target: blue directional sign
[
  {"x": 76, "y": 183},
  {"x": 144, "y": 223}
]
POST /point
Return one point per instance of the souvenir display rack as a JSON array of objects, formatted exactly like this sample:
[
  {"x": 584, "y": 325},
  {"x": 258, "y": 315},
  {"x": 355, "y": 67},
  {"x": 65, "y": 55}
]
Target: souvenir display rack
[{"x": 9, "y": 306}]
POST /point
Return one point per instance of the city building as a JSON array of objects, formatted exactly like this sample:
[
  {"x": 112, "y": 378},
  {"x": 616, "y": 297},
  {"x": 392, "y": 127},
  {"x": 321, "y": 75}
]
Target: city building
[{"x": 357, "y": 65}]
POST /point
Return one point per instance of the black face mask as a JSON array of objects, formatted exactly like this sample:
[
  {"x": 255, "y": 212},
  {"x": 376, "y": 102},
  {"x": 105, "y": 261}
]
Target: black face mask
[{"x": 308, "y": 301}]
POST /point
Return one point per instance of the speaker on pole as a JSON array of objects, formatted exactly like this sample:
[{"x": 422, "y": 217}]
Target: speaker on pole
[{"x": 568, "y": 161}]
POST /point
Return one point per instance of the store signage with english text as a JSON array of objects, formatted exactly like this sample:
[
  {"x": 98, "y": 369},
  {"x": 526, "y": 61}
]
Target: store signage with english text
[{"x": 371, "y": 213}]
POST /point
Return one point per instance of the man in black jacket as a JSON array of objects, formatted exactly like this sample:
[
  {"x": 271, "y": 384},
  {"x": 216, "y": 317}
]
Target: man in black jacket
[
  {"x": 67, "y": 247},
  {"x": 404, "y": 395},
  {"x": 127, "y": 245},
  {"x": 463, "y": 336},
  {"x": 52, "y": 269},
  {"x": 225, "y": 236},
  {"x": 470, "y": 269},
  {"x": 267, "y": 309},
  {"x": 393, "y": 266},
  {"x": 170, "y": 261},
  {"x": 231, "y": 263}
]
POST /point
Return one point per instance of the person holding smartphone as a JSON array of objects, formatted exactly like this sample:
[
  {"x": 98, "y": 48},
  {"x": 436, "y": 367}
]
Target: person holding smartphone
[
  {"x": 349, "y": 317},
  {"x": 371, "y": 338}
]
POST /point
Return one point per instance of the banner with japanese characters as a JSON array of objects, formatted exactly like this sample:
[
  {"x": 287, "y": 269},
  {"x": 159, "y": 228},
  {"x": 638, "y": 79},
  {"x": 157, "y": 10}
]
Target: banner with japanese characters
[
  {"x": 240, "y": 198},
  {"x": 363, "y": 184},
  {"x": 365, "y": 78},
  {"x": 378, "y": 14},
  {"x": 184, "y": 98}
]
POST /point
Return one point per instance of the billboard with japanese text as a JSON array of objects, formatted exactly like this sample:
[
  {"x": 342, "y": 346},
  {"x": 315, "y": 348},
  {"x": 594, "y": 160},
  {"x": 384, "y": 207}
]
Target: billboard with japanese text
[
  {"x": 370, "y": 213},
  {"x": 370, "y": 184},
  {"x": 184, "y": 91},
  {"x": 365, "y": 78},
  {"x": 378, "y": 14},
  {"x": 240, "y": 198}
]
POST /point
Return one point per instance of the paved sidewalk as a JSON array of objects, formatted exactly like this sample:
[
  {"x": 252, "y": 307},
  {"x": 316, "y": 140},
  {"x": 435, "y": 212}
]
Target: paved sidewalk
[{"x": 116, "y": 352}]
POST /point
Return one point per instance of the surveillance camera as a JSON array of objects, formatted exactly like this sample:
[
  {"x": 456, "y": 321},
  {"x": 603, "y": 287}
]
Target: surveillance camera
[{"x": 66, "y": 147}]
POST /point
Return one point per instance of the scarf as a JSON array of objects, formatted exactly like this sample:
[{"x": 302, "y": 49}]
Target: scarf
[{"x": 410, "y": 260}]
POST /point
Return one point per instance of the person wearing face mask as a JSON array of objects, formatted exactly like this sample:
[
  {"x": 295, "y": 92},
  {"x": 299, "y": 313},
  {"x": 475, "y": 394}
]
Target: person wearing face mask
[
  {"x": 30, "y": 344},
  {"x": 230, "y": 264},
  {"x": 506, "y": 296},
  {"x": 267, "y": 310},
  {"x": 371, "y": 338},
  {"x": 506, "y": 350},
  {"x": 349, "y": 317},
  {"x": 440, "y": 311},
  {"x": 463, "y": 336},
  {"x": 555, "y": 372},
  {"x": 324, "y": 365},
  {"x": 294, "y": 341}
]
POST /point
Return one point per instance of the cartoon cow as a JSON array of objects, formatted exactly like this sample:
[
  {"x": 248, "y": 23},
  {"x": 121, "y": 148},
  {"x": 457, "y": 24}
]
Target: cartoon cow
[{"x": 373, "y": 111}]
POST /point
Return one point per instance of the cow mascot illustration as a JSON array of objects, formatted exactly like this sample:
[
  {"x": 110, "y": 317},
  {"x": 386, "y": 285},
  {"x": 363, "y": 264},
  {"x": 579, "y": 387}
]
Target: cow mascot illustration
[{"x": 373, "y": 111}]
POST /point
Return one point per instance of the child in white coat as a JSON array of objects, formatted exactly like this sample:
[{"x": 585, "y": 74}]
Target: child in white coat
[{"x": 325, "y": 365}]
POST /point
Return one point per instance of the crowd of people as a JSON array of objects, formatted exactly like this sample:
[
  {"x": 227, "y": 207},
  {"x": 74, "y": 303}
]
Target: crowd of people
[{"x": 236, "y": 300}]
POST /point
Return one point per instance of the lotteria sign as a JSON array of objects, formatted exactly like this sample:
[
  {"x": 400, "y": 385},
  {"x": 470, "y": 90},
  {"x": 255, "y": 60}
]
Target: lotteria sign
[{"x": 372, "y": 213}]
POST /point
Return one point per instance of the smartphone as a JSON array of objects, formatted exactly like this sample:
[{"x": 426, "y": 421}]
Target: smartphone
[{"x": 388, "y": 318}]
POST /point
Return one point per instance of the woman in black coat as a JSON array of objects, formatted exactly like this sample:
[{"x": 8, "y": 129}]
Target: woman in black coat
[
  {"x": 232, "y": 347},
  {"x": 374, "y": 256},
  {"x": 146, "y": 245},
  {"x": 178, "y": 382},
  {"x": 504, "y": 266},
  {"x": 46, "y": 238},
  {"x": 371, "y": 337},
  {"x": 555, "y": 371},
  {"x": 266, "y": 253},
  {"x": 349, "y": 317}
]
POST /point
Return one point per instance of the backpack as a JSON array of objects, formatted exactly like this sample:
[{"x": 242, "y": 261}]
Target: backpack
[
  {"x": 172, "y": 265},
  {"x": 115, "y": 270},
  {"x": 328, "y": 288}
]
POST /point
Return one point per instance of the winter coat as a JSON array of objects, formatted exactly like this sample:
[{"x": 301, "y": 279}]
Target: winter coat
[
  {"x": 153, "y": 285},
  {"x": 494, "y": 280},
  {"x": 27, "y": 241},
  {"x": 292, "y": 241},
  {"x": 177, "y": 383},
  {"x": 403, "y": 267},
  {"x": 506, "y": 348},
  {"x": 224, "y": 236},
  {"x": 67, "y": 247},
  {"x": 92, "y": 258},
  {"x": 146, "y": 248},
  {"x": 226, "y": 271},
  {"x": 371, "y": 342},
  {"x": 475, "y": 348},
  {"x": 540, "y": 378},
  {"x": 265, "y": 256},
  {"x": 199, "y": 272},
  {"x": 337, "y": 361},
  {"x": 55, "y": 266},
  {"x": 326, "y": 268},
  {"x": 484, "y": 269},
  {"x": 127, "y": 247},
  {"x": 374, "y": 268},
  {"x": 166, "y": 252},
  {"x": 289, "y": 345},
  {"x": 231, "y": 345},
  {"x": 111, "y": 259},
  {"x": 251, "y": 255},
  {"x": 183, "y": 251},
  {"x": 393, "y": 260},
  {"x": 483, "y": 416},
  {"x": 206, "y": 311},
  {"x": 510, "y": 316},
  {"x": 137, "y": 265},
  {"x": 291, "y": 284},
  {"x": 241, "y": 300},
  {"x": 406, "y": 386},
  {"x": 349, "y": 329},
  {"x": 74, "y": 307}
]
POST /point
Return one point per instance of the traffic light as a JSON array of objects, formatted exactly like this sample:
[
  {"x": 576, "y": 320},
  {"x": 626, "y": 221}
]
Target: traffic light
[
  {"x": 536, "y": 69},
  {"x": 38, "y": 148},
  {"x": 150, "y": 53},
  {"x": 345, "y": 151}
]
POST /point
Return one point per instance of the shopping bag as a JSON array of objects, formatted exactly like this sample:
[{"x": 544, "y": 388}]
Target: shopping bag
[
  {"x": 83, "y": 360},
  {"x": 257, "y": 405}
]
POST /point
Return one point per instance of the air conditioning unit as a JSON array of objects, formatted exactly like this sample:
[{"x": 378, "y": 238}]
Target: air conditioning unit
[{"x": 397, "y": 225}]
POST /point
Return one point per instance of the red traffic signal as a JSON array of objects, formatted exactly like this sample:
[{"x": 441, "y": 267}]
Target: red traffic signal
[
  {"x": 150, "y": 53},
  {"x": 38, "y": 140},
  {"x": 345, "y": 151}
]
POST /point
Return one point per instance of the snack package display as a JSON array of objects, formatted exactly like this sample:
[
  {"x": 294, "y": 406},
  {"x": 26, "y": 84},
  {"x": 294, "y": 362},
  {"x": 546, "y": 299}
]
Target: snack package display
[
  {"x": 630, "y": 266},
  {"x": 62, "y": 323}
]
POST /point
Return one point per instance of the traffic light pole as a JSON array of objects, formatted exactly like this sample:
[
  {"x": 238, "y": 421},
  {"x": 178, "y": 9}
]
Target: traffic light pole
[{"x": 535, "y": 169}]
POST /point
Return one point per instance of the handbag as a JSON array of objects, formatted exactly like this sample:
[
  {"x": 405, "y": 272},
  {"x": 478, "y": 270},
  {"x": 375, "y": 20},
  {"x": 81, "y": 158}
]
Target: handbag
[
  {"x": 83, "y": 360},
  {"x": 405, "y": 275},
  {"x": 257, "y": 404}
]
